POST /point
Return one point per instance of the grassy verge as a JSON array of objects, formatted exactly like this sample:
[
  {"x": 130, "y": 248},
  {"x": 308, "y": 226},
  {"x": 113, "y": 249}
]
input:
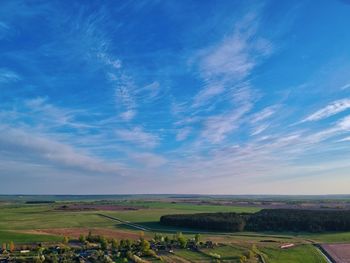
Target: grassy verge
[
  {"x": 7, "y": 236},
  {"x": 299, "y": 254}
]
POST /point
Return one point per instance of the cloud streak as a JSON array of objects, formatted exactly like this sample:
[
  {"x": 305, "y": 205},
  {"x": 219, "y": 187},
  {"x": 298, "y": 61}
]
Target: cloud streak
[
  {"x": 7, "y": 76},
  {"x": 138, "y": 137},
  {"x": 331, "y": 109}
]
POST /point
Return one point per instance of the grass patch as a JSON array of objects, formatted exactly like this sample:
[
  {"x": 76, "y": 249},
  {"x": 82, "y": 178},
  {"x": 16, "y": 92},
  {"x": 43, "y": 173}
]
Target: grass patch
[
  {"x": 192, "y": 255},
  {"x": 227, "y": 252},
  {"x": 340, "y": 237},
  {"x": 298, "y": 254},
  {"x": 7, "y": 236}
]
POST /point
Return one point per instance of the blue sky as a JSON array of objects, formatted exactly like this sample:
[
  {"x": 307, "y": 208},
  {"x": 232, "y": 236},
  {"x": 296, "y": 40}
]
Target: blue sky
[{"x": 211, "y": 97}]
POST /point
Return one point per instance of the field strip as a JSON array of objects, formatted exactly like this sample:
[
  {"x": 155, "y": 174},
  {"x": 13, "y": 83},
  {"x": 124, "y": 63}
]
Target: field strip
[
  {"x": 143, "y": 228},
  {"x": 325, "y": 255},
  {"x": 127, "y": 223}
]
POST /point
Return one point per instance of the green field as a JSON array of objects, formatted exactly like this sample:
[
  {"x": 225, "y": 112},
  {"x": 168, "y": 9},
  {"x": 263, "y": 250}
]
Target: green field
[
  {"x": 301, "y": 253},
  {"x": 7, "y": 236},
  {"x": 16, "y": 219},
  {"x": 228, "y": 252},
  {"x": 192, "y": 256}
]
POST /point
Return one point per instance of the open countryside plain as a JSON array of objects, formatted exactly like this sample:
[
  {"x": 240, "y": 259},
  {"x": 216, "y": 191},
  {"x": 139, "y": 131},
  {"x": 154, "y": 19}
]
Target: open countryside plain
[{"x": 124, "y": 219}]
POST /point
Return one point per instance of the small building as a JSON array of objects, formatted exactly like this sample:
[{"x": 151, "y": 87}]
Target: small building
[{"x": 286, "y": 246}]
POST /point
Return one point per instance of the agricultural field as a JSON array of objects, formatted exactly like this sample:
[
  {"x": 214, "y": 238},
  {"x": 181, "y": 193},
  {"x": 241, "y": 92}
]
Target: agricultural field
[
  {"x": 340, "y": 253},
  {"x": 29, "y": 222},
  {"x": 302, "y": 253}
]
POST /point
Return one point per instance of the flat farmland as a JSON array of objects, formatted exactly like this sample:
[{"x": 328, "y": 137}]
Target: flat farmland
[
  {"x": 304, "y": 253},
  {"x": 340, "y": 253},
  {"x": 47, "y": 222}
]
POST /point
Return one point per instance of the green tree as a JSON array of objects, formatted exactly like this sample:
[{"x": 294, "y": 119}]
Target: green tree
[
  {"x": 182, "y": 240},
  {"x": 197, "y": 238},
  {"x": 242, "y": 259},
  {"x": 65, "y": 240},
  {"x": 82, "y": 238},
  {"x": 128, "y": 244},
  {"x": 38, "y": 259},
  {"x": 90, "y": 237},
  {"x": 145, "y": 246},
  {"x": 142, "y": 235},
  {"x": 166, "y": 239},
  {"x": 103, "y": 243},
  {"x": 12, "y": 246},
  {"x": 115, "y": 244}
]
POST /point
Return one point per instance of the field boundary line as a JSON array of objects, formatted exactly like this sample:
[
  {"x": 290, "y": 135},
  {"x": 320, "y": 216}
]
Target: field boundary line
[{"x": 324, "y": 253}]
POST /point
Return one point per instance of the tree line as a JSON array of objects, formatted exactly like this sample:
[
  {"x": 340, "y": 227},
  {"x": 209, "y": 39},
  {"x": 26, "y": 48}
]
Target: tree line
[{"x": 265, "y": 220}]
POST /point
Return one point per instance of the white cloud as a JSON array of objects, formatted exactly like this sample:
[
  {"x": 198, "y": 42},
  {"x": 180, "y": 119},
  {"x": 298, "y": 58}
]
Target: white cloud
[
  {"x": 217, "y": 127},
  {"x": 344, "y": 124},
  {"x": 346, "y": 139},
  {"x": 138, "y": 137},
  {"x": 148, "y": 159},
  {"x": 48, "y": 115},
  {"x": 346, "y": 86},
  {"x": 7, "y": 76},
  {"x": 264, "y": 114},
  {"x": 108, "y": 60},
  {"x": 152, "y": 89},
  {"x": 125, "y": 98},
  {"x": 4, "y": 30},
  {"x": 259, "y": 129},
  {"x": 29, "y": 147},
  {"x": 331, "y": 109},
  {"x": 128, "y": 115},
  {"x": 183, "y": 133},
  {"x": 237, "y": 54},
  {"x": 207, "y": 93}
]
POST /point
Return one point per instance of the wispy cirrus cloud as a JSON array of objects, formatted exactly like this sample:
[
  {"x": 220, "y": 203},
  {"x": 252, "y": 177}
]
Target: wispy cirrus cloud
[
  {"x": 46, "y": 115},
  {"x": 346, "y": 86},
  {"x": 216, "y": 128},
  {"x": 7, "y": 76},
  {"x": 263, "y": 114},
  {"x": 225, "y": 65},
  {"x": 152, "y": 90},
  {"x": 331, "y": 109},
  {"x": 138, "y": 137},
  {"x": 27, "y": 146},
  {"x": 97, "y": 94},
  {"x": 259, "y": 129},
  {"x": 207, "y": 94},
  {"x": 237, "y": 54},
  {"x": 147, "y": 159},
  {"x": 4, "y": 30},
  {"x": 183, "y": 133}
]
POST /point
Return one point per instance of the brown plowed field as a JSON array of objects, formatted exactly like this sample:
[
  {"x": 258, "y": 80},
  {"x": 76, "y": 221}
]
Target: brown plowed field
[
  {"x": 339, "y": 252},
  {"x": 92, "y": 207},
  {"x": 76, "y": 232}
]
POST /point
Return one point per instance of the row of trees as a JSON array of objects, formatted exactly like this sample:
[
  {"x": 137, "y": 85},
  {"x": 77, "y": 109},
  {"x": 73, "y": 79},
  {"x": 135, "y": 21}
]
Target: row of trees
[
  {"x": 208, "y": 221},
  {"x": 299, "y": 220},
  {"x": 8, "y": 246},
  {"x": 265, "y": 220}
]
